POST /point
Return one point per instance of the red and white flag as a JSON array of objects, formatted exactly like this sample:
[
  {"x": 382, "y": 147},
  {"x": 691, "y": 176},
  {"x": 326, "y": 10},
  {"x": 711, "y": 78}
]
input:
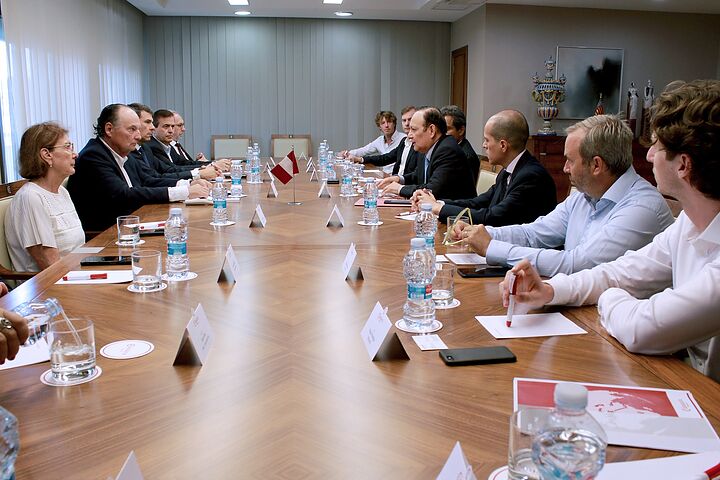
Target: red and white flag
[{"x": 286, "y": 168}]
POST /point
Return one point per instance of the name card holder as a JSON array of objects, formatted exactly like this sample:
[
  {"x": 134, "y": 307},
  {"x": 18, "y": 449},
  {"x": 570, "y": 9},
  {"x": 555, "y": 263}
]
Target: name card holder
[
  {"x": 313, "y": 175},
  {"x": 336, "y": 219},
  {"x": 457, "y": 467},
  {"x": 196, "y": 341},
  {"x": 310, "y": 166},
  {"x": 380, "y": 344},
  {"x": 130, "y": 469},
  {"x": 351, "y": 272},
  {"x": 272, "y": 192},
  {"x": 272, "y": 160},
  {"x": 324, "y": 192},
  {"x": 258, "y": 219},
  {"x": 230, "y": 270}
]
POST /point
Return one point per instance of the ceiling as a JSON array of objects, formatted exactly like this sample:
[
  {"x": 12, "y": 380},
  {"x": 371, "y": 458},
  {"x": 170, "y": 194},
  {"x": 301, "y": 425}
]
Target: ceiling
[{"x": 426, "y": 10}]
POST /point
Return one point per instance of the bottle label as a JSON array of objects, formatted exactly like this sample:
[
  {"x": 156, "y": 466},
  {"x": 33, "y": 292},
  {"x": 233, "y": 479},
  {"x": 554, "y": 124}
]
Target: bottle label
[
  {"x": 419, "y": 292},
  {"x": 255, "y": 170},
  {"x": 219, "y": 203},
  {"x": 370, "y": 203},
  {"x": 177, "y": 248},
  {"x": 430, "y": 242},
  {"x": 236, "y": 181},
  {"x": 347, "y": 180}
]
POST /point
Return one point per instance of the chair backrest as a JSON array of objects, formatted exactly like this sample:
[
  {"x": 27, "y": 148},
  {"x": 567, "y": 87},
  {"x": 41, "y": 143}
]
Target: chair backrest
[
  {"x": 4, "y": 254},
  {"x": 486, "y": 179},
  {"x": 229, "y": 146},
  {"x": 280, "y": 145}
]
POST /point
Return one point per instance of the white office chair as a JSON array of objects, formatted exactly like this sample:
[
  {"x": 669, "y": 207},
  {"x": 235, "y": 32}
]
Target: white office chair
[
  {"x": 229, "y": 146},
  {"x": 280, "y": 145}
]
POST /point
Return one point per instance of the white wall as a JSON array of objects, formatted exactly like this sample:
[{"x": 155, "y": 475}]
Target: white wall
[
  {"x": 67, "y": 60},
  {"x": 517, "y": 39}
]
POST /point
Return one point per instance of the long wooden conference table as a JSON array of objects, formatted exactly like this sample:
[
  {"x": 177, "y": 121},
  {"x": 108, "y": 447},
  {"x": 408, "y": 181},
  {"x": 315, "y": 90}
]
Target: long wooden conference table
[{"x": 287, "y": 390}]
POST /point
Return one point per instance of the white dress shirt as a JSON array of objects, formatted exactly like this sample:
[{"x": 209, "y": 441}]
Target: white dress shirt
[
  {"x": 379, "y": 146},
  {"x": 660, "y": 299}
]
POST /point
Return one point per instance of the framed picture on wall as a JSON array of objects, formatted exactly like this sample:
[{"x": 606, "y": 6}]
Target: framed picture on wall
[{"x": 590, "y": 71}]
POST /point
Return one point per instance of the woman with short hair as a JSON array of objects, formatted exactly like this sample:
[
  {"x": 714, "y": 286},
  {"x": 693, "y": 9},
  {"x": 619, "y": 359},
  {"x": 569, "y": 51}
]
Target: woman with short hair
[{"x": 41, "y": 224}]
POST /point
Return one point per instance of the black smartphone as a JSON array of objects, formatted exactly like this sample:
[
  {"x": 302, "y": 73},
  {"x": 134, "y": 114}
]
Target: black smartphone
[
  {"x": 477, "y": 356},
  {"x": 397, "y": 201},
  {"x": 105, "y": 260},
  {"x": 482, "y": 271},
  {"x": 152, "y": 232},
  {"x": 333, "y": 182}
]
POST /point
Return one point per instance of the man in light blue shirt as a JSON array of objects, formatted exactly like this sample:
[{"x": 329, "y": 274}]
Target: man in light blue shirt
[{"x": 613, "y": 211}]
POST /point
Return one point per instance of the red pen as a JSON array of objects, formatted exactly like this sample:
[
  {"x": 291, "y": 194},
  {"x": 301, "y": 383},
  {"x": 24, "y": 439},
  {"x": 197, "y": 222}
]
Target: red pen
[
  {"x": 511, "y": 304},
  {"x": 710, "y": 473},
  {"x": 85, "y": 276}
]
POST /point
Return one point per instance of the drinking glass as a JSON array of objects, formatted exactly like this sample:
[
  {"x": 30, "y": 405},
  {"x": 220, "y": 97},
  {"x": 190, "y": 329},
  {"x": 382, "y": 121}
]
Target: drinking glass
[
  {"x": 128, "y": 228},
  {"x": 444, "y": 284},
  {"x": 524, "y": 425},
  {"x": 9, "y": 443},
  {"x": 147, "y": 270},
  {"x": 72, "y": 349}
]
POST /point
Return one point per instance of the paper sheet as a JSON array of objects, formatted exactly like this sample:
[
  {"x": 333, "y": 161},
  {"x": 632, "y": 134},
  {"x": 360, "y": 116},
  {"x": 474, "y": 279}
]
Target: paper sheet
[
  {"x": 466, "y": 259},
  {"x": 198, "y": 201},
  {"x": 682, "y": 467},
  {"x": 429, "y": 342},
  {"x": 407, "y": 216},
  {"x": 88, "y": 250},
  {"x": 38, "y": 352},
  {"x": 530, "y": 325}
]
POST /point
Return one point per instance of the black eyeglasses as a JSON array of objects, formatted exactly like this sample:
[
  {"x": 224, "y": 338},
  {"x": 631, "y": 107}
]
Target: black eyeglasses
[{"x": 69, "y": 146}]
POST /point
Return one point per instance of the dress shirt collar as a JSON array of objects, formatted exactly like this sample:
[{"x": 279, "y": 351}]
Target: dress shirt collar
[
  {"x": 511, "y": 166},
  {"x": 120, "y": 160},
  {"x": 617, "y": 190},
  {"x": 396, "y": 137},
  {"x": 429, "y": 153},
  {"x": 173, "y": 143},
  {"x": 710, "y": 235},
  {"x": 166, "y": 148}
]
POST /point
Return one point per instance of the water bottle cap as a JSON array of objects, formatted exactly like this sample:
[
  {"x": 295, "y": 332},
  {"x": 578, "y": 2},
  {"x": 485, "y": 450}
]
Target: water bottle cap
[
  {"x": 426, "y": 207},
  {"x": 219, "y": 180},
  {"x": 572, "y": 396},
  {"x": 176, "y": 211},
  {"x": 417, "y": 242},
  {"x": 370, "y": 180}
]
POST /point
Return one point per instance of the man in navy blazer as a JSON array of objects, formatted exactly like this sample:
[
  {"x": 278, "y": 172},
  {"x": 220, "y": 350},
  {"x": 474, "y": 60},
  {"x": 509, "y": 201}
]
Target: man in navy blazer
[
  {"x": 456, "y": 122},
  {"x": 523, "y": 190},
  {"x": 442, "y": 166},
  {"x": 101, "y": 187}
]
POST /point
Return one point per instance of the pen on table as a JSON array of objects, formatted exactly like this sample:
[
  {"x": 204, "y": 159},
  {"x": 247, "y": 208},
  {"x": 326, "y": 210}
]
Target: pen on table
[
  {"x": 85, "y": 276},
  {"x": 511, "y": 304},
  {"x": 710, "y": 473}
]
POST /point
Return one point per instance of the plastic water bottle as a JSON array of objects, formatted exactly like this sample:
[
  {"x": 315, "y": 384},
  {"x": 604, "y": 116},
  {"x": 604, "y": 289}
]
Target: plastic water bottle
[
  {"x": 346, "y": 184},
  {"x": 571, "y": 444},
  {"x": 331, "y": 175},
  {"x": 254, "y": 164},
  {"x": 38, "y": 315},
  {"x": 419, "y": 271},
  {"x": 236, "y": 176},
  {"x": 177, "y": 264},
  {"x": 370, "y": 212},
  {"x": 9, "y": 444},
  {"x": 426, "y": 226},
  {"x": 219, "y": 195}
]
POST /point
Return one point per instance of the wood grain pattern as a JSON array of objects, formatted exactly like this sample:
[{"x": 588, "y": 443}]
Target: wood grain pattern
[{"x": 288, "y": 391}]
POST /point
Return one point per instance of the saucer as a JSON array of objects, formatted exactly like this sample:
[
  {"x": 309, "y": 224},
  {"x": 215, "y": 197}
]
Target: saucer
[
  {"x": 402, "y": 325},
  {"x": 453, "y": 304},
  {"x": 131, "y": 288},
  {"x": 228, "y": 223},
  {"x": 499, "y": 473},
  {"x": 369, "y": 224},
  {"x": 48, "y": 379},
  {"x": 139, "y": 242},
  {"x": 189, "y": 276}
]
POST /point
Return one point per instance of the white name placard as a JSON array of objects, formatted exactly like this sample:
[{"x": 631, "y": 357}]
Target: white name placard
[
  {"x": 457, "y": 466},
  {"x": 197, "y": 340},
  {"x": 335, "y": 219},
  {"x": 380, "y": 344}
]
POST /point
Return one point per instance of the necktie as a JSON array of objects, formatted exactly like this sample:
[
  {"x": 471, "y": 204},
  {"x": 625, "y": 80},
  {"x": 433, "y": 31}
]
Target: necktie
[
  {"x": 427, "y": 165},
  {"x": 181, "y": 151},
  {"x": 502, "y": 189}
]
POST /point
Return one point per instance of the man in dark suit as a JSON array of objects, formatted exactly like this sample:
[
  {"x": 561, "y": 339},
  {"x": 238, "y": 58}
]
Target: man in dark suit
[
  {"x": 164, "y": 121},
  {"x": 142, "y": 158},
  {"x": 402, "y": 158},
  {"x": 442, "y": 166},
  {"x": 179, "y": 154},
  {"x": 523, "y": 189},
  {"x": 101, "y": 187},
  {"x": 456, "y": 122}
]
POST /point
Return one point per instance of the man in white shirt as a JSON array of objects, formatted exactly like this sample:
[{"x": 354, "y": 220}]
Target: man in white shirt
[
  {"x": 665, "y": 296},
  {"x": 390, "y": 138}
]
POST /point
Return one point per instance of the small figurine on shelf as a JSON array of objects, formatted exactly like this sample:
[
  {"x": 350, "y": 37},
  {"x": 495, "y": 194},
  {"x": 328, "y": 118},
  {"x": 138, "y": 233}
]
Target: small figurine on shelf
[
  {"x": 647, "y": 103},
  {"x": 600, "y": 108},
  {"x": 632, "y": 108}
]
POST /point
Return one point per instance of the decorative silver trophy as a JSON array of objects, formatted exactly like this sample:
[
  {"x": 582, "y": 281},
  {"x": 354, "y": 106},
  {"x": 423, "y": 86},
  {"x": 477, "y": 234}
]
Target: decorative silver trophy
[{"x": 548, "y": 92}]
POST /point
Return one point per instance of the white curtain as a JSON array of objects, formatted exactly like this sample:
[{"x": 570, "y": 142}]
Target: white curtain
[{"x": 65, "y": 61}]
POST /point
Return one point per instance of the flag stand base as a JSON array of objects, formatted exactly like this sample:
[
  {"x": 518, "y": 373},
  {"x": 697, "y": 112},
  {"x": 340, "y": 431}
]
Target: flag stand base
[{"x": 294, "y": 203}]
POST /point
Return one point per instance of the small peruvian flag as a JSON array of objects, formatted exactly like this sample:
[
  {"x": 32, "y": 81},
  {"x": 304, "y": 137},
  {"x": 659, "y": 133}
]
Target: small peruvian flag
[{"x": 286, "y": 168}]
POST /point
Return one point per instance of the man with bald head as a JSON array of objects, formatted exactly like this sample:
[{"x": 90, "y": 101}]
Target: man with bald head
[{"x": 523, "y": 189}]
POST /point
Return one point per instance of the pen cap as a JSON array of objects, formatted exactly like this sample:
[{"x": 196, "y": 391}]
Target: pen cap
[{"x": 570, "y": 396}]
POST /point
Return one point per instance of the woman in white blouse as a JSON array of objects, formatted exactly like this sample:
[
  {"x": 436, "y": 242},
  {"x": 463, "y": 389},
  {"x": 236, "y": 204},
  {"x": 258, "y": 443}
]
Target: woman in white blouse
[{"x": 41, "y": 224}]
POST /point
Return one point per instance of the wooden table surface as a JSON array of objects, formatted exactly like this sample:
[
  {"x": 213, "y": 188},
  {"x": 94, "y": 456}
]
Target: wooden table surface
[{"x": 287, "y": 390}]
